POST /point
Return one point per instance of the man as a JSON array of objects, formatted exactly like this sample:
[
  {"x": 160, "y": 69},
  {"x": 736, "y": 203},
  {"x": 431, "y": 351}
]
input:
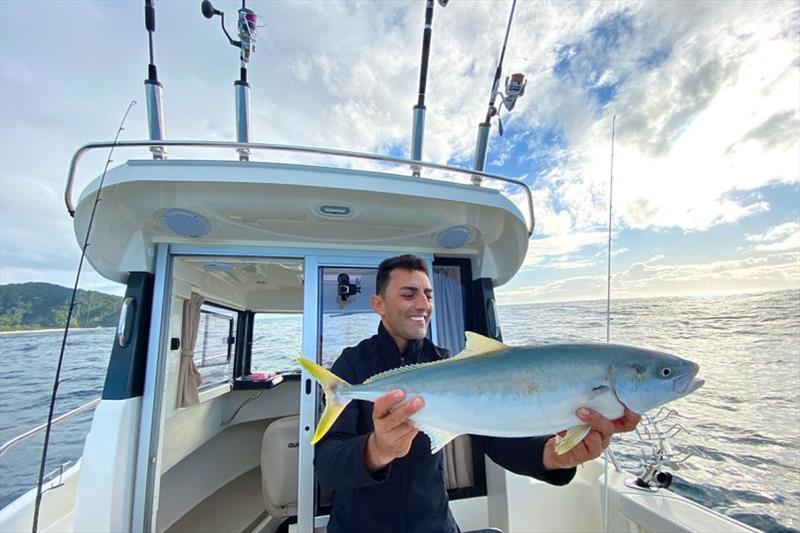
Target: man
[{"x": 379, "y": 467}]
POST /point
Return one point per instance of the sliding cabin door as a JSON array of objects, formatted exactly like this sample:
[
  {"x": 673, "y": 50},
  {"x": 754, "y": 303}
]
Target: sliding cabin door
[{"x": 340, "y": 289}]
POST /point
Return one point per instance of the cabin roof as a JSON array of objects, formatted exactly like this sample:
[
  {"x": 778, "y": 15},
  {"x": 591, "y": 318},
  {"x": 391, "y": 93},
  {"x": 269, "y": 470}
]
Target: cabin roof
[{"x": 247, "y": 203}]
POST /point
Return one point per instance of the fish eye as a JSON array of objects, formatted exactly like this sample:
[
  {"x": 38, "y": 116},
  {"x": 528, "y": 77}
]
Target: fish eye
[{"x": 666, "y": 372}]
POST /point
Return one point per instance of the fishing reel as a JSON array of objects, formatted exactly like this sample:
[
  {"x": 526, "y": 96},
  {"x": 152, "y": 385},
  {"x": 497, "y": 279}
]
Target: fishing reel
[
  {"x": 247, "y": 26},
  {"x": 515, "y": 87}
]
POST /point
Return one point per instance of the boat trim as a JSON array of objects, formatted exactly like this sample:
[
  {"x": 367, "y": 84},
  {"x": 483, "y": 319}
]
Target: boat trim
[
  {"x": 289, "y": 148},
  {"x": 148, "y": 457},
  {"x": 30, "y": 433}
]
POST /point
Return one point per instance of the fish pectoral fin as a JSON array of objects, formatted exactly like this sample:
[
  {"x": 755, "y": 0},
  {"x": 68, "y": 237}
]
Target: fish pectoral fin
[
  {"x": 439, "y": 438},
  {"x": 571, "y": 439},
  {"x": 599, "y": 391}
]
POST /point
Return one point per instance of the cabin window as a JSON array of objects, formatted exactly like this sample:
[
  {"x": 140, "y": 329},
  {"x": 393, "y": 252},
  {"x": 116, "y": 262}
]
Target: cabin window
[
  {"x": 214, "y": 346},
  {"x": 347, "y": 315},
  {"x": 277, "y": 343}
]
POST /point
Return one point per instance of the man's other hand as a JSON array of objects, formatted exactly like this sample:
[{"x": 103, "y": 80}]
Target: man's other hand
[
  {"x": 593, "y": 443},
  {"x": 393, "y": 432}
]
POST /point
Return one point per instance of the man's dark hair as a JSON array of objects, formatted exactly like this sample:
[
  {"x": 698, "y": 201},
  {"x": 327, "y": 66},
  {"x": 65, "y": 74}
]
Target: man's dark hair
[{"x": 406, "y": 262}]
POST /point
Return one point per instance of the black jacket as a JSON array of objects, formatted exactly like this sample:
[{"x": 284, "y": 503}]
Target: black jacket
[{"x": 409, "y": 494}]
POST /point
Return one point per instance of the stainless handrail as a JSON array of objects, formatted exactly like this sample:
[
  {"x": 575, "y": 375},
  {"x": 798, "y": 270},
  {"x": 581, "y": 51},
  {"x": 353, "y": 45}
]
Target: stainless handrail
[
  {"x": 287, "y": 148},
  {"x": 19, "y": 438}
]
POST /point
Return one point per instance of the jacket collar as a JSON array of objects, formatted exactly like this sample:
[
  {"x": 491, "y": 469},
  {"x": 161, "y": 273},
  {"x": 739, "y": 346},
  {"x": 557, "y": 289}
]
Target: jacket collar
[{"x": 393, "y": 356}]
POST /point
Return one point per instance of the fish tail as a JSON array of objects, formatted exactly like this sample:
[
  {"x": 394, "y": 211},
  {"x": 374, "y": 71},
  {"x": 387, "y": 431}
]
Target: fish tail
[{"x": 334, "y": 405}]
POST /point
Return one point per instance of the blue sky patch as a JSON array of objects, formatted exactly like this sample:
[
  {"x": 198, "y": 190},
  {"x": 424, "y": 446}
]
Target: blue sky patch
[{"x": 586, "y": 61}]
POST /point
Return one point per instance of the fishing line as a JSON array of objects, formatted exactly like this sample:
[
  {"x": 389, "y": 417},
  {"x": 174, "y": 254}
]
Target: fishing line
[
  {"x": 69, "y": 319},
  {"x": 608, "y": 310}
]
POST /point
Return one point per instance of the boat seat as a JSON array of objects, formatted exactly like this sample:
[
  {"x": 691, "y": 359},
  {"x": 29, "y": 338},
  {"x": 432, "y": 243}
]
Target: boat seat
[
  {"x": 280, "y": 455},
  {"x": 279, "y": 459}
]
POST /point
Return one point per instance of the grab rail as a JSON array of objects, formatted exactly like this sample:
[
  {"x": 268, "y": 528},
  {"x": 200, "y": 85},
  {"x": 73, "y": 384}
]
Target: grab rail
[
  {"x": 19, "y": 438},
  {"x": 288, "y": 148}
]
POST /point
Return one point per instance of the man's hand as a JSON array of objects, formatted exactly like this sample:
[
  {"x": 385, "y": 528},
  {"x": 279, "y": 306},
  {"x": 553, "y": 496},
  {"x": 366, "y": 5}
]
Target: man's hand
[
  {"x": 593, "y": 443},
  {"x": 393, "y": 433}
]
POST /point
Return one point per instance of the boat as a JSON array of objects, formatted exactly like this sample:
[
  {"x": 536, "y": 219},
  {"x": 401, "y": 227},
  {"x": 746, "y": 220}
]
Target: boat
[{"x": 234, "y": 266}]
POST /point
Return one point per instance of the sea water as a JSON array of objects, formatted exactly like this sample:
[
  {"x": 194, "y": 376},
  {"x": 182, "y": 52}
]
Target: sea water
[{"x": 743, "y": 425}]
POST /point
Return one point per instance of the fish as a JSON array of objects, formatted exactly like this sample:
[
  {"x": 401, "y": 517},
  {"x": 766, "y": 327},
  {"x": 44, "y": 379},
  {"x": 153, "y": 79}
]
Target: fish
[{"x": 494, "y": 389}]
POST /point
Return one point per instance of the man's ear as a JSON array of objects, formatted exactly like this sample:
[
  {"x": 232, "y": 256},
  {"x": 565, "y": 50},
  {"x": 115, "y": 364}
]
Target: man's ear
[{"x": 377, "y": 304}]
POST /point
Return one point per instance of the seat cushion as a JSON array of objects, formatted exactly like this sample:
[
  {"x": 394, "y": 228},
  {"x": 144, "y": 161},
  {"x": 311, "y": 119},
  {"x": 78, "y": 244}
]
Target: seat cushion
[{"x": 279, "y": 459}]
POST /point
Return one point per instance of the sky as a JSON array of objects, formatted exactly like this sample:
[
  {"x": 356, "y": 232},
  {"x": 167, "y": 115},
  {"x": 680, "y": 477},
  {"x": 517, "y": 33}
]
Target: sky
[{"x": 706, "y": 174}]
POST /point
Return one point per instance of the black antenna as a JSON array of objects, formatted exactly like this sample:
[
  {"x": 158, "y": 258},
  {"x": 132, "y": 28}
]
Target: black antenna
[{"x": 70, "y": 311}]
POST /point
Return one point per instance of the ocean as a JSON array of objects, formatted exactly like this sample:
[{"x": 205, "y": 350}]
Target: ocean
[{"x": 743, "y": 426}]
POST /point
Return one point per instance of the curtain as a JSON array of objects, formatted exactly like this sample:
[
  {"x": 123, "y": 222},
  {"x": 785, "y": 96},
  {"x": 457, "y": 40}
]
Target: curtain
[
  {"x": 189, "y": 378},
  {"x": 449, "y": 302},
  {"x": 449, "y": 308}
]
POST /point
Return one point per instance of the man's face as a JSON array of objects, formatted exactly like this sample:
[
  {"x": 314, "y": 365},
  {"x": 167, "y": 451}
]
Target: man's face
[{"x": 407, "y": 303}]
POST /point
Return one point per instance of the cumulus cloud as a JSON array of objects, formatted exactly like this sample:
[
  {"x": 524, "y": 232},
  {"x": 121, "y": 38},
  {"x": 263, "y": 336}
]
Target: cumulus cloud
[
  {"x": 558, "y": 246},
  {"x": 706, "y": 101},
  {"x": 780, "y": 238}
]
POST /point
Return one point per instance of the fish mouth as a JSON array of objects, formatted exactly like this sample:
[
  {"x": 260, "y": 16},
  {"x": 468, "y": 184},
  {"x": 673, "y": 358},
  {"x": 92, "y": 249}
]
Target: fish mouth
[{"x": 688, "y": 384}]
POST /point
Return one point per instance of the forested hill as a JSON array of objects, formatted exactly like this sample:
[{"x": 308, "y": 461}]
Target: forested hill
[{"x": 39, "y": 305}]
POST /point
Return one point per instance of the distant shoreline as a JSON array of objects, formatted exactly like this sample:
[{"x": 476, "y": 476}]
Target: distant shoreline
[{"x": 47, "y": 330}]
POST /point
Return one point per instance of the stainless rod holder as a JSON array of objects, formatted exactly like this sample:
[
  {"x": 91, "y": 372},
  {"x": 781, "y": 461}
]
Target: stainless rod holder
[
  {"x": 479, "y": 162},
  {"x": 242, "y": 117},
  {"x": 155, "y": 116},
  {"x": 417, "y": 137}
]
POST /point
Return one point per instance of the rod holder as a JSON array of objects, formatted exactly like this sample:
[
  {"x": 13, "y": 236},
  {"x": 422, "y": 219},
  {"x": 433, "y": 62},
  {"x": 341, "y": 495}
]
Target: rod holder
[
  {"x": 155, "y": 116},
  {"x": 479, "y": 162},
  {"x": 242, "y": 117},
  {"x": 417, "y": 136}
]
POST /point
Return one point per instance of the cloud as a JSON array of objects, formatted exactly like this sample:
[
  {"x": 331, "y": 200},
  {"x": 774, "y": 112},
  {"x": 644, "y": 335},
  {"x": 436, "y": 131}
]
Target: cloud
[
  {"x": 687, "y": 83},
  {"x": 706, "y": 99},
  {"x": 572, "y": 264},
  {"x": 775, "y": 233},
  {"x": 653, "y": 278},
  {"x": 779, "y": 130},
  {"x": 781, "y": 238},
  {"x": 555, "y": 246}
]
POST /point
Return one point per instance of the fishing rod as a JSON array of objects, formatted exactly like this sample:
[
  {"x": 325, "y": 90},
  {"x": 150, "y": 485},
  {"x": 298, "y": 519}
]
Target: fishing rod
[
  {"x": 610, "y": 211},
  {"x": 418, "y": 127},
  {"x": 154, "y": 91},
  {"x": 247, "y": 27},
  {"x": 70, "y": 311},
  {"x": 608, "y": 453},
  {"x": 514, "y": 88}
]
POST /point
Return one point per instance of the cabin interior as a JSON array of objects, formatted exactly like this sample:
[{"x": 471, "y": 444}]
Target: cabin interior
[{"x": 228, "y": 439}]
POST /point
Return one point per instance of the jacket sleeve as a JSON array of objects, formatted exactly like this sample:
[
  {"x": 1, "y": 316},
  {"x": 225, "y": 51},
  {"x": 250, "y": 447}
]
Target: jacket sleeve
[
  {"x": 339, "y": 456},
  {"x": 523, "y": 456}
]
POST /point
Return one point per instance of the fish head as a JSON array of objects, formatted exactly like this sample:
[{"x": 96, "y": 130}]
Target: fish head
[{"x": 644, "y": 379}]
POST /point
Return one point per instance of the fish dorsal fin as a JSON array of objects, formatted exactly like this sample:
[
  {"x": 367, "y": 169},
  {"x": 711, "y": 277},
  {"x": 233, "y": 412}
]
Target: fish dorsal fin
[
  {"x": 478, "y": 344},
  {"x": 401, "y": 370}
]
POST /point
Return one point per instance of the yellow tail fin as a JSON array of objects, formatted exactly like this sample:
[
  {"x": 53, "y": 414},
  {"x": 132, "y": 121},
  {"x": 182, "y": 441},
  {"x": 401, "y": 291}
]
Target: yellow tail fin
[{"x": 330, "y": 383}]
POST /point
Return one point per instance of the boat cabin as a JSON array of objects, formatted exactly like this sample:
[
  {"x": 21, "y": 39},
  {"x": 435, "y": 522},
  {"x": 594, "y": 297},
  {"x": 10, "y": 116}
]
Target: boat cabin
[{"x": 234, "y": 269}]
